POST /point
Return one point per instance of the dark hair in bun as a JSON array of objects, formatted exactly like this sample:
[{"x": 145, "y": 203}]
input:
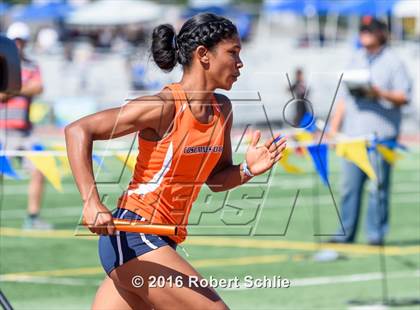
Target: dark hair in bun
[{"x": 205, "y": 29}]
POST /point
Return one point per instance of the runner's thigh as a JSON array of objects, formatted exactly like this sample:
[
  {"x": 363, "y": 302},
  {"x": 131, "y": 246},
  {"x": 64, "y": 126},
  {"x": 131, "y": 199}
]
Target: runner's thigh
[
  {"x": 109, "y": 296},
  {"x": 166, "y": 264}
]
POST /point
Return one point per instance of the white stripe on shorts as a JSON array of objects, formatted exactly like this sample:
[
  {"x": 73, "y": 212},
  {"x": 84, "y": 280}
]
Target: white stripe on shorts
[
  {"x": 145, "y": 240},
  {"x": 121, "y": 261}
]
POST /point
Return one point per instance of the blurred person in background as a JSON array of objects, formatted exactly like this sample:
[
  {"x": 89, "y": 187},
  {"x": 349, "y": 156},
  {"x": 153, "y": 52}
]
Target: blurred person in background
[
  {"x": 46, "y": 40},
  {"x": 372, "y": 112},
  {"x": 15, "y": 125},
  {"x": 83, "y": 56},
  {"x": 300, "y": 92},
  {"x": 66, "y": 36}
]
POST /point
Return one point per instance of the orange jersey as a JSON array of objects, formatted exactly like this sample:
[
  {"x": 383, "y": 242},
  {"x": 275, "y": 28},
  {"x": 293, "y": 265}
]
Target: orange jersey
[{"x": 169, "y": 173}]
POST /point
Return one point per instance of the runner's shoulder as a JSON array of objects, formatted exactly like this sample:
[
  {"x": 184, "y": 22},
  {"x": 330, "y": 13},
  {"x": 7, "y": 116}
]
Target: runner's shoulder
[{"x": 151, "y": 110}]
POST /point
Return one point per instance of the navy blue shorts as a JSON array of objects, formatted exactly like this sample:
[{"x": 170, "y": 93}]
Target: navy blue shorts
[{"x": 118, "y": 249}]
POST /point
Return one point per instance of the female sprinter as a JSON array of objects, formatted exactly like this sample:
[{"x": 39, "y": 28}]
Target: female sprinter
[{"x": 184, "y": 141}]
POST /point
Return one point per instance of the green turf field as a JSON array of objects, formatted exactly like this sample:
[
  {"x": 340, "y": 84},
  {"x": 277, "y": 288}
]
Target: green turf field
[{"x": 58, "y": 270}]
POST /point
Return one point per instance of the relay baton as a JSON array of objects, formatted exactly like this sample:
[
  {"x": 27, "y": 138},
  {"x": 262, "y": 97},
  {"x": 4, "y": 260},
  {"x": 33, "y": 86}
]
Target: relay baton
[{"x": 144, "y": 227}]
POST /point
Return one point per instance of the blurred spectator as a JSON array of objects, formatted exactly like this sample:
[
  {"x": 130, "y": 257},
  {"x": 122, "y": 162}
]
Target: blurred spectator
[
  {"x": 47, "y": 39},
  {"x": 68, "y": 50},
  {"x": 372, "y": 111},
  {"x": 67, "y": 37},
  {"x": 83, "y": 55},
  {"x": 15, "y": 124},
  {"x": 105, "y": 39},
  {"x": 300, "y": 92}
]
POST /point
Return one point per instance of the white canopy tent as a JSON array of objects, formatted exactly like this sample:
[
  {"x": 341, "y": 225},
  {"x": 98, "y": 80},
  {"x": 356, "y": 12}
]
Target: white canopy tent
[
  {"x": 407, "y": 8},
  {"x": 111, "y": 12},
  {"x": 207, "y": 3}
]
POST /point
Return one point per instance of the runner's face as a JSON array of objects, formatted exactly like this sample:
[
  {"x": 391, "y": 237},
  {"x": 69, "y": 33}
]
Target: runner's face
[{"x": 224, "y": 63}]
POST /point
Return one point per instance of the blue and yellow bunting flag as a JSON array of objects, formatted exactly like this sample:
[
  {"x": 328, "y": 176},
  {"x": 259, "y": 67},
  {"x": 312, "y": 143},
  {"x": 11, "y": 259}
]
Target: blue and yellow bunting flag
[
  {"x": 356, "y": 152},
  {"x": 304, "y": 137},
  {"x": 308, "y": 122},
  {"x": 64, "y": 161},
  {"x": 38, "y": 112},
  {"x": 389, "y": 155},
  {"x": 287, "y": 166},
  {"x": 319, "y": 154},
  {"x": 131, "y": 160},
  {"x": 47, "y": 166},
  {"x": 6, "y": 168}
]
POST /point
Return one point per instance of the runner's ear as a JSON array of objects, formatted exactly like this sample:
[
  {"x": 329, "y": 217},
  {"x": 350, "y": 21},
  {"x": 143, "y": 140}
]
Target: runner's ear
[{"x": 10, "y": 78}]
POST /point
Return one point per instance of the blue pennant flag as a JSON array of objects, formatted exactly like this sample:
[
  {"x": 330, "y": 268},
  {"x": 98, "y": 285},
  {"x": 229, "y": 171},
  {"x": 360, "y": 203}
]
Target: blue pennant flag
[
  {"x": 389, "y": 143},
  {"x": 38, "y": 147},
  {"x": 308, "y": 122},
  {"x": 98, "y": 161},
  {"x": 6, "y": 168},
  {"x": 319, "y": 154},
  {"x": 392, "y": 144}
]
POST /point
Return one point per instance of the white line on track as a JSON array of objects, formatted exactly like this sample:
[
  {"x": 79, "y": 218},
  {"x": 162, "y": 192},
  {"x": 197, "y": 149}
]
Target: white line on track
[
  {"x": 50, "y": 280},
  {"x": 363, "y": 277},
  {"x": 19, "y": 189},
  {"x": 71, "y": 211}
]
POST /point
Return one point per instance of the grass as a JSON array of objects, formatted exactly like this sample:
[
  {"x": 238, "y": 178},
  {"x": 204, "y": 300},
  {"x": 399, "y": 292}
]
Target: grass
[{"x": 283, "y": 243}]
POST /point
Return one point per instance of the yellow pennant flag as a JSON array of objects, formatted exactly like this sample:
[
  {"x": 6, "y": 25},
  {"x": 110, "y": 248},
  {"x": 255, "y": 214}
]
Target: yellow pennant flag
[
  {"x": 131, "y": 161},
  {"x": 38, "y": 111},
  {"x": 356, "y": 152},
  {"x": 48, "y": 167},
  {"x": 288, "y": 167},
  {"x": 389, "y": 155},
  {"x": 303, "y": 136},
  {"x": 65, "y": 165}
]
